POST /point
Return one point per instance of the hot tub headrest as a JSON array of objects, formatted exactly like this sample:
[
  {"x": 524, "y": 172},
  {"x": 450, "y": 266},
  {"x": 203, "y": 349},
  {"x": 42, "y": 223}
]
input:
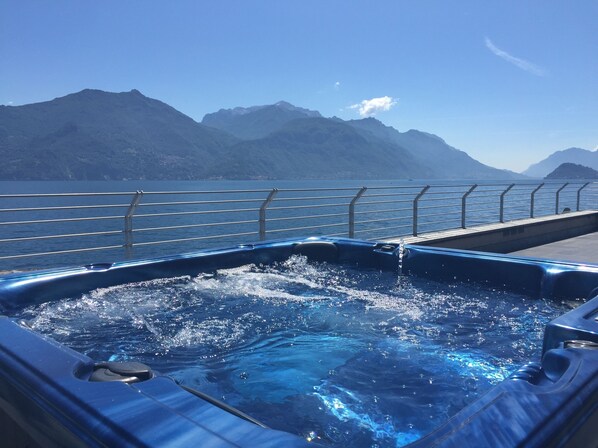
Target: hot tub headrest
[{"x": 317, "y": 250}]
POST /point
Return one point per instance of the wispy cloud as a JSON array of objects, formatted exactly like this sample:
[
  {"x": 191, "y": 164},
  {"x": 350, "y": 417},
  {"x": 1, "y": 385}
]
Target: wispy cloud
[
  {"x": 372, "y": 106},
  {"x": 521, "y": 63}
]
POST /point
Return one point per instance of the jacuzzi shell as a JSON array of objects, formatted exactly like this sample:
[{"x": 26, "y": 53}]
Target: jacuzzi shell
[{"x": 47, "y": 398}]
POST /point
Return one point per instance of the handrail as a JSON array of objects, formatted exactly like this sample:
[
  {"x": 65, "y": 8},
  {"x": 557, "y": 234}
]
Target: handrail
[
  {"x": 398, "y": 201},
  {"x": 291, "y": 218},
  {"x": 296, "y": 207},
  {"x": 200, "y": 212},
  {"x": 415, "y": 205},
  {"x": 72, "y": 207},
  {"x": 352, "y": 211},
  {"x": 45, "y": 224},
  {"x": 558, "y": 192},
  {"x": 531, "y": 215},
  {"x": 129, "y": 219},
  {"x": 579, "y": 194},
  {"x": 48, "y": 237},
  {"x": 47, "y": 221},
  {"x": 192, "y": 226},
  {"x": 265, "y": 205},
  {"x": 59, "y": 252},
  {"x": 463, "y": 202},
  {"x": 231, "y": 201},
  {"x": 322, "y": 226},
  {"x": 385, "y": 210}
]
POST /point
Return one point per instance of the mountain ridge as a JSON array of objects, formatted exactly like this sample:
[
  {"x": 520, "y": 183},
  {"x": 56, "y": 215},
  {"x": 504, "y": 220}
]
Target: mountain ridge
[
  {"x": 578, "y": 156},
  {"x": 423, "y": 149},
  {"x": 102, "y": 135},
  {"x": 323, "y": 148},
  {"x": 94, "y": 134},
  {"x": 573, "y": 171},
  {"x": 256, "y": 121}
]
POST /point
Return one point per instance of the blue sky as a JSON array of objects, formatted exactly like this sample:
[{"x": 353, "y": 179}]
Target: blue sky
[{"x": 509, "y": 82}]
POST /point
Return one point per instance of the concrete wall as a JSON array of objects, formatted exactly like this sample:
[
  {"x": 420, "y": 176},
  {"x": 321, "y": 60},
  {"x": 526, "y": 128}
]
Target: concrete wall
[{"x": 510, "y": 237}]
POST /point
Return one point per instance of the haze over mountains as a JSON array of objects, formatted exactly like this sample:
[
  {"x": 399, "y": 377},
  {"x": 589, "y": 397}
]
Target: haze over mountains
[
  {"x": 576, "y": 156},
  {"x": 94, "y": 135}
]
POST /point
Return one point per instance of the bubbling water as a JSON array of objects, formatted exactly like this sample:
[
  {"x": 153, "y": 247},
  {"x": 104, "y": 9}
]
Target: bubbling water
[{"x": 339, "y": 355}]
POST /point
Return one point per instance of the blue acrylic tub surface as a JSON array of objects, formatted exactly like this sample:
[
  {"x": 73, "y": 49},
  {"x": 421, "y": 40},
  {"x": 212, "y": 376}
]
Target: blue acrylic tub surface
[{"x": 59, "y": 397}]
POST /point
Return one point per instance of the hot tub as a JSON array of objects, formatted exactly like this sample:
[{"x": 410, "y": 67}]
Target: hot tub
[{"x": 297, "y": 342}]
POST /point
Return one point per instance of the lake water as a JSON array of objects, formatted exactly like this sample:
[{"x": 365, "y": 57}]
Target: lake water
[{"x": 377, "y": 216}]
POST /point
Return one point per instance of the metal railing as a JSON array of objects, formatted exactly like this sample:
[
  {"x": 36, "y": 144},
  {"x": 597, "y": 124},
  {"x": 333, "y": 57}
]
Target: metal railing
[{"x": 127, "y": 224}]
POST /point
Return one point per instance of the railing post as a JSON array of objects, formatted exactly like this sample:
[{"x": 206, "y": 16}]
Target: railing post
[
  {"x": 415, "y": 201},
  {"x": 558, "y": 192},
  {"x": 502, "y": 202},
  {"x": 263, "y": 208},
  {"x": 129, "y": 220},
  {"x": 531, "y": 213},
  {"x": 463, "y": 202},
  {"x": 579, "y": 194},
  {"x": 352, "y": 211}
]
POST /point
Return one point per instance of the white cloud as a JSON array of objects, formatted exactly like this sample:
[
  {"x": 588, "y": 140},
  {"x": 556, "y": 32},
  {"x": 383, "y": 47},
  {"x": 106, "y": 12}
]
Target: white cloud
[
  {"x": 521, "y": 63},
  {"x": 337, "y": 85},
  {"x": 374, "y": 105}
]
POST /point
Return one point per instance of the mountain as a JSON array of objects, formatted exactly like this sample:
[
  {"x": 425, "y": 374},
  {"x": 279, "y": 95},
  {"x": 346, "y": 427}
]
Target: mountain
[
  {"x": 577, "y": 156},
  {"x": 257, "y": 121},
  {"x": 95, "y": 135},
  {"x": 430, "y": 151},
  {"x": 573, "y": 171},
  {"x": 100, "y": 135},
  {"x": 428, "y": 156},
  {"x": 317, "y": 148}
]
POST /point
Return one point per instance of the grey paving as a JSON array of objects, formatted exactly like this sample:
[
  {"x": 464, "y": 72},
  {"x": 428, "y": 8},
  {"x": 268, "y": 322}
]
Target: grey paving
[{"x": 581, "y": 249}]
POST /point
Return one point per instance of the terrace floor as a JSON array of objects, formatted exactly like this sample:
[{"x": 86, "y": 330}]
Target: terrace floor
[{"x": 581, "y": 249}]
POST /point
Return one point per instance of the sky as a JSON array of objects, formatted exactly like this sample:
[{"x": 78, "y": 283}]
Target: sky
[{"x": 509, "y": 82}]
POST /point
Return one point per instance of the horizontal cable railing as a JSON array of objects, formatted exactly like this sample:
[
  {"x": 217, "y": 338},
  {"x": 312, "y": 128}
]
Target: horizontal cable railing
[{"x": 35, "y": 227}]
